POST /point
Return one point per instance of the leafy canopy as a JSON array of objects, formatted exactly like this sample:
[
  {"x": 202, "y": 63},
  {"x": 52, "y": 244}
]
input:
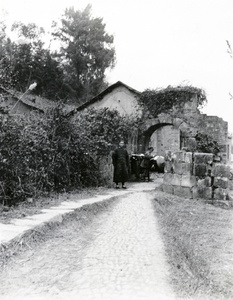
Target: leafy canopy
[
  {"x": 163, "y": 100},
  {"x": 75, "y": 72},
  {"x": 86, "y": 52}
]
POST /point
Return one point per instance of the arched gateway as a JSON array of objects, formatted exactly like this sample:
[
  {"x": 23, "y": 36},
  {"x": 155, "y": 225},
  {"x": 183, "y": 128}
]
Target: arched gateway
[{"x": 166, "y": 131}]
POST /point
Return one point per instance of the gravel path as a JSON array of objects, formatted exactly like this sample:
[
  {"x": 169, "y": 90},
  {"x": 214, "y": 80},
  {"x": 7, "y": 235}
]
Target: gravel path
[{"x": 119, "y": 255}]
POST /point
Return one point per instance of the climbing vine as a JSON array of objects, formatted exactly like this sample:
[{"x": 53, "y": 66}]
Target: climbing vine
[
  {"x": 163, "y": 100},
  {"x": 206, "y": 143}
]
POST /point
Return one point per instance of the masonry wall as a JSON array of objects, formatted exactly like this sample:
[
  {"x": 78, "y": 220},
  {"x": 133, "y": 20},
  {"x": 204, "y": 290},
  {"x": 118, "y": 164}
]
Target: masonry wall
[
  {"x": 166, "y": 137},
  {"x": 218, "y": 129},
  {"x": 197, "y": 176}
]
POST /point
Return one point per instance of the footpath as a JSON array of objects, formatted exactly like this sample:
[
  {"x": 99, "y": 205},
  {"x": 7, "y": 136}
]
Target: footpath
[
  {"x": 121, "y": 258},
  {"x": 18, "y": 227}
]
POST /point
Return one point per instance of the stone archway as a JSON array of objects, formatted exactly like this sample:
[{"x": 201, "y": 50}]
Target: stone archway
[
  {"x": 163, "y": 137},
  {"x": 163, "y": 133}
]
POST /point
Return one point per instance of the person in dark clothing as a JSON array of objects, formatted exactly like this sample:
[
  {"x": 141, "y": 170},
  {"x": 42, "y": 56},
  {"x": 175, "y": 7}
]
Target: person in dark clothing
[
  {"x": 120, "y": 160},
  {"x": 147, "y": 163}
]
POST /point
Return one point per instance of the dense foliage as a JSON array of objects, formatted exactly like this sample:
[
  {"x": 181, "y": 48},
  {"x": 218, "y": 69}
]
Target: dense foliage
[
  {"x": 206, "y": 144},
  {"x": 75, "y": 72},
  {"x": 53, "y": 152},
  {"x": 164, "y": 100}
]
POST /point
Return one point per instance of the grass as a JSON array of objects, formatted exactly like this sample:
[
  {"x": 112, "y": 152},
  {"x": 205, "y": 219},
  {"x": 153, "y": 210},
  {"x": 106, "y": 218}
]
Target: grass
[
  {"x": 77, "y": 220},
  {"x": 198, "y": 238},
  {"x": 34, "y": 206}
]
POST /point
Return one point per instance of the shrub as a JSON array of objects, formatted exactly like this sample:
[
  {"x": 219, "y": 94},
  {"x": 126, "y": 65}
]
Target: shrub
[{"x": 53, "y": 152}]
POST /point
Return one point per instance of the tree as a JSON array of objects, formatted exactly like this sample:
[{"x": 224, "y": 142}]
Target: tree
[
  {"x": 86, "y": 52},
  {"x": 26, "y": 61},
  {"x": 5, "y": 57}
]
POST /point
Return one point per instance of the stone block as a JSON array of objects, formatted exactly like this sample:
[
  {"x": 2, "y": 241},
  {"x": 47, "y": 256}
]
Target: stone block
[
  {"x": 220, "y": 194},
  {"x": 202, "y": 192},
  {"x": 184, "y": 192},
  {"x": 217, "y": 159},
  {"x": 188, "y": 181},
  {"x": 176, "y": 179},
  {"x": 167, "y": 178},
  {"x": 168, "y": 167},
  {"x": 221, "y": 182},
  {"x": 230, "y": 195},
  {"x": 167, "y": 188},
  {"x": 188, "y": 157},
  {"x": 179, "y": 156},
  {"x": 206, "y": 182},
  {"x": 203, "y": 158},
  {"x": 199, "y": 170},
  {"x": 182, "y": 168},
  {"x": 220, "y": 170}
]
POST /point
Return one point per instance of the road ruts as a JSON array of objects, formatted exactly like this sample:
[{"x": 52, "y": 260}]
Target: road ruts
[{"x": 124, "y": 260}]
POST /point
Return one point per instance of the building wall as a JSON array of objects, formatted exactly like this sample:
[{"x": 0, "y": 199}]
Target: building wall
[{"x": 121, "y": 99}]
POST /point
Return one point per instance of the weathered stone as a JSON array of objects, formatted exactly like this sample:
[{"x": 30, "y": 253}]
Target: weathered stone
[
  {"x": 206, "y": 182},
  {"x": 167, "y": 188},
  {"x": 203, "y": 158},
  {"x": 184, "y": 192},
  {"x": 188, "y": 181},
  {"x": 182, "y": 168},
  {"x": 221, "y": 182},
  {"x": 199, "y": 170},
  {"x": 222, "y": 203},
  {"x": 217, "y": 159},
  {"x": 176, "y": 179},
  {"x": 230, "y": 195},
  {"x": 221, "y": 194},
  {"x": 202, "y": 192},
  {"x": 188, "y": 157},
  {"x": 179, "y": 156},
  {"x": 167, "y": 178},
  {"x": 221, "y": 170},
  {"x": 168, "y": 167}
]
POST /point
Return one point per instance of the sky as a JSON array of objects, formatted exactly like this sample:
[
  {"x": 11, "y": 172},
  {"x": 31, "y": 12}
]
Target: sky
[{"x": 157, "y": 42}]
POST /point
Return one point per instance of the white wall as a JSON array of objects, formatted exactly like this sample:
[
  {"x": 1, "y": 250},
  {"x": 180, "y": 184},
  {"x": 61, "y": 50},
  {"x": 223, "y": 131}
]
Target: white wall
[{"x": 120, "y": 99}]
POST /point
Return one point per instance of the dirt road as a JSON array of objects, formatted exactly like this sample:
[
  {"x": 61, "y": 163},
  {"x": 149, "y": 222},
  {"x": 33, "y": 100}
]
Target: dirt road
[{"x": 118, "y": 255}]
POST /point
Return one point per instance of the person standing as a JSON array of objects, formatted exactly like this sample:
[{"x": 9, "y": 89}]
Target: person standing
[
  {"x": 147, "y": 163},
  {"x": 120, "y": 160}
]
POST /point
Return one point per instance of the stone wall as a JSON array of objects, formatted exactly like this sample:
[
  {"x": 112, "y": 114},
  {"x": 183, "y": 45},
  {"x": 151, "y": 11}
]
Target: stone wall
[
  {"x": 170, "y": 131},
  {"x": 217, "y": 128},
  {"x": 197, "y": 176}
]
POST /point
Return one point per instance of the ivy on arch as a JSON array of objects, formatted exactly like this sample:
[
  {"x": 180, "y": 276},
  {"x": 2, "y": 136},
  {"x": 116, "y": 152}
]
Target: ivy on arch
[{"x": 158, "y": 101}]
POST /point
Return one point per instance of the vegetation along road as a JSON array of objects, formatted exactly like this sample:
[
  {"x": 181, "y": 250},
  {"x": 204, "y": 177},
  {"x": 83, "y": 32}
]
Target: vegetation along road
[{"x": 143, "y": 245}]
